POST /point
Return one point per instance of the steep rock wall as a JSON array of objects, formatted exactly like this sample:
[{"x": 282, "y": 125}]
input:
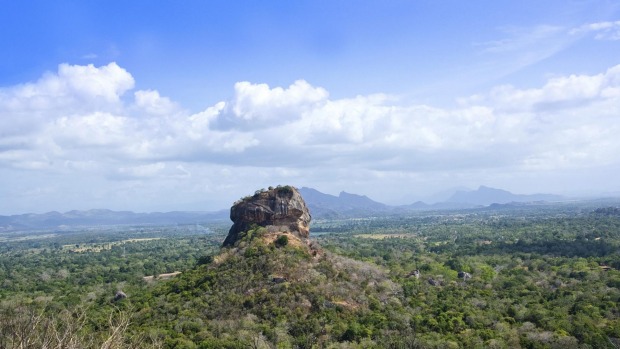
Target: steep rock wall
[{"x": 281, "y": 209}]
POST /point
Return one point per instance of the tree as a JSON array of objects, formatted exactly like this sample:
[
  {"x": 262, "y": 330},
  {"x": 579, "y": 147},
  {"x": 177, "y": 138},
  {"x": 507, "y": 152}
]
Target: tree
[{"x": 281, "y": 241}]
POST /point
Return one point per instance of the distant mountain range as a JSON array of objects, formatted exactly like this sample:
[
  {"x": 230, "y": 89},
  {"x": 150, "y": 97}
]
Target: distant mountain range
[
  {"x": 344, "y": 205},
  {"x": 487, "y": 196},
  {"x": 351, "y": 205},
  {"x": 321, "y": 205}
]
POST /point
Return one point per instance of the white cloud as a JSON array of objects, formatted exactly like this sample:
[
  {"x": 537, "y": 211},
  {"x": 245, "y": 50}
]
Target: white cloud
[
  {"x": 609, "y": 30},
  {"x": 96, "y": 129},
  {"x": 78, "y": 113},
  {"x": 258, "y": 105},
  {"x": 151, "y": 102},
  {"x": 75, "y": 83},
  {"x": 343, "y": 121},
  {"x": 108, "y": 82},
  {"x": 572, "y": 89},
  {"x": 200, "y": 123},
  {"x": 73, "y": 89},
  {"x": 300, "y": 122},
  {"x": 264, "y": 135}
]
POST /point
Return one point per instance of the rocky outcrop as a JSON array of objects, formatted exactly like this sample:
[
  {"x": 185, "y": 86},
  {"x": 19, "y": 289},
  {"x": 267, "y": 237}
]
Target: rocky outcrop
[
  {"x": 464, "y": 275},
  {"x": 280, "y": 209}
]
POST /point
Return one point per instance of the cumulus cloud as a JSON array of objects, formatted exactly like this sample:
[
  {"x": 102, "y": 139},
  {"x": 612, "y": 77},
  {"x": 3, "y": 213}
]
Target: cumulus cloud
[
  {"x": 69, "y": 87},
  {"x": 73, "y": 89},
  {"x": 84, "y": 124},
  {"x": 266, "y": 126},
  {"x": 151, "y": 102},
  {"x": 258, "y": 105},
  {"x": 568, "y": 122},
  {"x": 97, "y": 129}
]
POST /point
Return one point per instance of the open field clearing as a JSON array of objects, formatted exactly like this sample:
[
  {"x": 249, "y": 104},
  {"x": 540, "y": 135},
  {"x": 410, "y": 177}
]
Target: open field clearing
[
  {"x": 385, "y": 236},
  {"x": 98, "y": 247}
]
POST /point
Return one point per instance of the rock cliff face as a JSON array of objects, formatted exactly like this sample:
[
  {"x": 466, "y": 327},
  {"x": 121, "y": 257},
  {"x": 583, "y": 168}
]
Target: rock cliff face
[{"x": 279, "y": 210}]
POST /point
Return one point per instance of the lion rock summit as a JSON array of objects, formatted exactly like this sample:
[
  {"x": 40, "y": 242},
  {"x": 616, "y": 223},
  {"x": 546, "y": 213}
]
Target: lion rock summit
[{"x": 280, "y": 209}]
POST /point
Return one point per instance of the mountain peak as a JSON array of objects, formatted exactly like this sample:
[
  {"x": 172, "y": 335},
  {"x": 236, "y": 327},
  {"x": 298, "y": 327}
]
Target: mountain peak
[
  {"x": 486, "y": 196},
  {"x": 344, "y": 194},
  {"x": 344, "y": 205}
]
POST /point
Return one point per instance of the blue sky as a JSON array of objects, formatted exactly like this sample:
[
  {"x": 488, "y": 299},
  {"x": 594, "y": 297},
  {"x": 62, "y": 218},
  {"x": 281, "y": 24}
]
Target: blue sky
[{"x": 189, "y": 105}]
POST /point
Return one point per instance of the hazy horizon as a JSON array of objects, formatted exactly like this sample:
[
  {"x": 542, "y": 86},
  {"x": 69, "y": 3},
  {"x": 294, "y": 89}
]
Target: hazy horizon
[
  {"x": 439, "y": 197},
  {"x": 162, "y": 108}
]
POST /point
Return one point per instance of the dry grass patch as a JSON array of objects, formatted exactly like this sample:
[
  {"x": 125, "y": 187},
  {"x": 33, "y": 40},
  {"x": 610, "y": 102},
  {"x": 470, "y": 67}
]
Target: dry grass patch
[
  {"x": 161, "y": 276},
  {"x": 293, "y": 240}
]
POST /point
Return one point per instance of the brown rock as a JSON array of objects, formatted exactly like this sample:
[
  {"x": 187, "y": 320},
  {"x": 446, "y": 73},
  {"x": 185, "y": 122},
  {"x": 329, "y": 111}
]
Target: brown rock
[{"x": 281, "y": 209}]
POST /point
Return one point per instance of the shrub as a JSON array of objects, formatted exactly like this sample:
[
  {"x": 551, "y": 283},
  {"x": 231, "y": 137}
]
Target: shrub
[
  {"x": 281, "y": 241},
  {"x": 285, "y": 190}
]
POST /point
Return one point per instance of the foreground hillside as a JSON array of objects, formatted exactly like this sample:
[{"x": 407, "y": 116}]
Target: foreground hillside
[{"x": 275, "y": 288}]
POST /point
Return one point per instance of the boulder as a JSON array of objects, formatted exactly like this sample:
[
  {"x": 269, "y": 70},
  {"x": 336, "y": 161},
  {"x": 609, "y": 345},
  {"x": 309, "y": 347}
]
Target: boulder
[
  {"x": 119, "y": 296},
  {"x": 280, "y": 209},
  {"x": 434, "y": 282},
  {"x": 464, "y": 275},
  {"x": 415, "y": 273}
]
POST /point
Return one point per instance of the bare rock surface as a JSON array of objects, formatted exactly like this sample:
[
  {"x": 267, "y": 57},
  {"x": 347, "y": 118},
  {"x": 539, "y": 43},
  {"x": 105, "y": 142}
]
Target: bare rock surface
[{"x": 280, "y": 209}]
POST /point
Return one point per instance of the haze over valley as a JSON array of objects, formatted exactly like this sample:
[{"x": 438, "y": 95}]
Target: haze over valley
[{"x": 321, "y": 205}]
